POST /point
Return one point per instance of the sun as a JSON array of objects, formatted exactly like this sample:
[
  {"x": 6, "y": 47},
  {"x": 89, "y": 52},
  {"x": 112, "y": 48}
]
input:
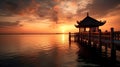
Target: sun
[
  {"x": 63, "y": 29},
  {"x": 66, "y": 28}
]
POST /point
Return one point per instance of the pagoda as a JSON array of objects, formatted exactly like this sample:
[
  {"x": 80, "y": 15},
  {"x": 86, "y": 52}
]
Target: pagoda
[{"x": 89, "y": 23}]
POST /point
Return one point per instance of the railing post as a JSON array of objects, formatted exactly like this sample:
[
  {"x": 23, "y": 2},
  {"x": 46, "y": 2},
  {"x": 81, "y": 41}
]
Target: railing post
[
  {"x": 89, "y": 38},
  {"x": 81, "y": 37},
  {"x": 113, "y": 46},
  {"x": 69, "y": 36},
  {"x": 78, "y": 36}
]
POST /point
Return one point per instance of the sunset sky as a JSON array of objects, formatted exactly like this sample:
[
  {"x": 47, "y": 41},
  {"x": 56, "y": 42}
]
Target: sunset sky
[{"x": 50, "y": 16}]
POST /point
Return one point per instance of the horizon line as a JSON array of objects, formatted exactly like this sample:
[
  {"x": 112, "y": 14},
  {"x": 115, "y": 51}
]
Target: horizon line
[{"x": 28, "y": 33}]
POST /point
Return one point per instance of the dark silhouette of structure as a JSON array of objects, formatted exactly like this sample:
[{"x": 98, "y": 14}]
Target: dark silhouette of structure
[
  {"x": 90, "y": 23},
  {"x": 95, "y": 39}
]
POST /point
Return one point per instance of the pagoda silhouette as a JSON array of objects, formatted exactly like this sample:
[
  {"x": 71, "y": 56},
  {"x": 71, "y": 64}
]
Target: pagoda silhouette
[{"x": 89, "y": 23}]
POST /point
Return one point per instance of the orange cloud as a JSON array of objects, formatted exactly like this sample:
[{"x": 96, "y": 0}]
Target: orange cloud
[{"x": 36, "y": 15}]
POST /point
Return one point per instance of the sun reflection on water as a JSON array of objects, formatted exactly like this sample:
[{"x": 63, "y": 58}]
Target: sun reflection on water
[
  {"x": 63, "y": 38},
  {"x": 40, "y": 49}
]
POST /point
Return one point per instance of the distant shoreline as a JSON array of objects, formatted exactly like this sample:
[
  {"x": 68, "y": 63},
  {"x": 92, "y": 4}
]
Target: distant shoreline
[{"x": 31, "y": 33}]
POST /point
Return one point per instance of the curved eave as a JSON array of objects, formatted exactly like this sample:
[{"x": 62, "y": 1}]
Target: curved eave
[
  {"x": 89, "y": 22},
  {"x": 102, "y": 23},
  {"x": 90, "y": 25},
  {"x": 77, "y": 26},
  {"x": 78, "y": 22}
]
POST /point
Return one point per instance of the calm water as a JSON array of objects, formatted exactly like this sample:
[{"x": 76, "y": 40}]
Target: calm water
[{"x": 40, "y": 51}]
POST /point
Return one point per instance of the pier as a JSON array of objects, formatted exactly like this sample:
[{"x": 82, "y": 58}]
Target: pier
[
  {"x": 101, "y": 41},
  {"x": 106, "y": 44}
]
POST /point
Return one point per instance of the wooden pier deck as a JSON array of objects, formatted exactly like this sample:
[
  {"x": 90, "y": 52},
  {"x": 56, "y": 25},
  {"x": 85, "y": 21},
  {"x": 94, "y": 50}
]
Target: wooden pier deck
[{"x": 107, "y": 43}]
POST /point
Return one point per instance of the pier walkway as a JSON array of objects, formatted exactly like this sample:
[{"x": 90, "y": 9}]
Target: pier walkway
[{"x": 107, "y": 44}]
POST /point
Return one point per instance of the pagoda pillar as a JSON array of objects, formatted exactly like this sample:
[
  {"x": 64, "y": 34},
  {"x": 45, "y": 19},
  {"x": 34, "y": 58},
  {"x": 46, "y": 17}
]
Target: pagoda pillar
[
  {"x": 79, "y": 30},
  {"x": 84, "y": 29}
]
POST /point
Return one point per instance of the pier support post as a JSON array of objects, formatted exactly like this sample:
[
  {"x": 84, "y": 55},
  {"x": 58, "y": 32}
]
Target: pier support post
[
  {"x": 78, "y": 37},
  {"x": 69, "y": 36},
  {"x": 100, "y": 44},
  {"x": 113, "y": 46},
  {"x": 106, "y": 50},
  {"x": 81, "y": 38}
]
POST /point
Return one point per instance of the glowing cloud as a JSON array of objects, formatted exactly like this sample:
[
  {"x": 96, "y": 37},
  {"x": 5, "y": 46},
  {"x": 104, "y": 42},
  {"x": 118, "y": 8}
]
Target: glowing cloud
[{"x": 57, "y": 15}]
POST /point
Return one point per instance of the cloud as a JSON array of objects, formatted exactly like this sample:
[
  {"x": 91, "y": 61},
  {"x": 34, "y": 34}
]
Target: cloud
[
  {"x": 9, "y": 24},
  {"x": 102, "y": 7},
  {"x": 21, "y": 7},
  {"x": 57, "y": 10},
  {"x": 42, "y": 9},
  {"x": 8, "y": 7}
]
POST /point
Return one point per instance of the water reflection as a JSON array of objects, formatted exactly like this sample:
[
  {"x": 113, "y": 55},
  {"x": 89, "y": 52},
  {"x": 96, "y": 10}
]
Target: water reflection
[
  {"x": 37, "y": 51},
  {"x": 63, "y": 38},
  {"x": 87, "y": 57},
  {"x": 45, "y": 51}
]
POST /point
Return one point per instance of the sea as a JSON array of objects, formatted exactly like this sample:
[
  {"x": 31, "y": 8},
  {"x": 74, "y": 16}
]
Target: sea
[{"x": 43, "y": 50}]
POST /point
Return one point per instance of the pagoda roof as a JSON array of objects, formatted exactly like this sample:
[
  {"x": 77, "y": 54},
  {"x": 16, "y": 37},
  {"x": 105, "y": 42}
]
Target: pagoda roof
[{"x": 89, "y": 22}]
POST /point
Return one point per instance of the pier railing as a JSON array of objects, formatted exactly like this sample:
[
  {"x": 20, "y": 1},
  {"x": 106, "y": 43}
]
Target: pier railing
[{"x": 98, "y": 40}]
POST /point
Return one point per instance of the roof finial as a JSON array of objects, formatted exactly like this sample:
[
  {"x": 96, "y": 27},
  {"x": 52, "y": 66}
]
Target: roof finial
[{"x": 87, "y": 13}]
